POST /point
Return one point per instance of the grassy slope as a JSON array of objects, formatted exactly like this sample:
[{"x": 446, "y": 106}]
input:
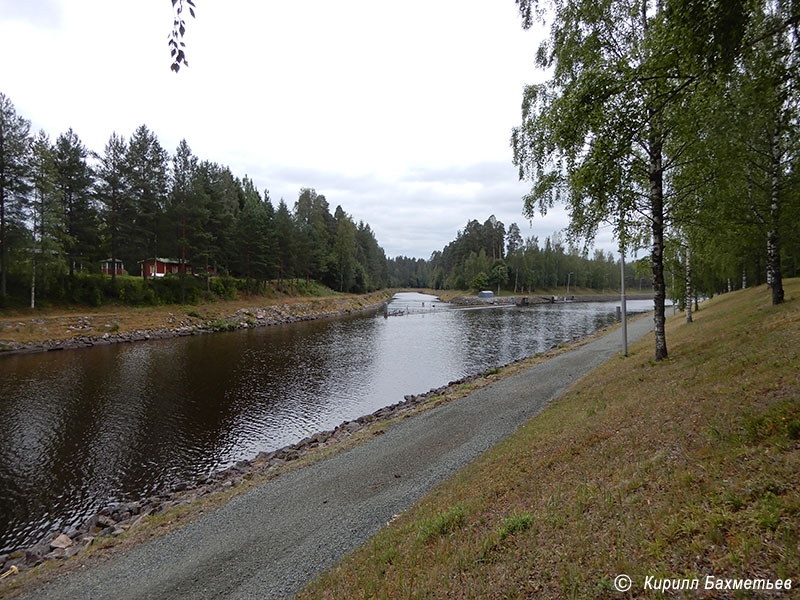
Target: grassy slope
[{"x": 684, "y": 468}]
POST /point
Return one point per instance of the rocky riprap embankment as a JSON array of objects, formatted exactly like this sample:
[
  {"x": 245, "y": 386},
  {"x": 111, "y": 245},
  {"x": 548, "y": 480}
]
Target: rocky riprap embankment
[
  {"x": 243, "y": 318},
  {"x": 475, "y": 301},
  {"x": 115, "y": 519}
]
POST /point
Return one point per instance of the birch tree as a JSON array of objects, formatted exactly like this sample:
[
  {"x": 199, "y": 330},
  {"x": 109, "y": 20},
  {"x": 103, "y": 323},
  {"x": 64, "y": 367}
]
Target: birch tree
[
  {"x": 765, "y": 93},
  {"x": 748, "y": 141},
  {"x": 596, "y": 135}
]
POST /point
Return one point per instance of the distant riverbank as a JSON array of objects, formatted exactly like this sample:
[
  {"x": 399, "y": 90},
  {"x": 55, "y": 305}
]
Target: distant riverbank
[{"x": 85, "y": 328}]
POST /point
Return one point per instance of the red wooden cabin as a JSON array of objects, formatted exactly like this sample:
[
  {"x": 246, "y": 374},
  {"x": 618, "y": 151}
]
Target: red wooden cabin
[
  {"x": 158, "y": 267},
  {"x": 105, "y": 266}
]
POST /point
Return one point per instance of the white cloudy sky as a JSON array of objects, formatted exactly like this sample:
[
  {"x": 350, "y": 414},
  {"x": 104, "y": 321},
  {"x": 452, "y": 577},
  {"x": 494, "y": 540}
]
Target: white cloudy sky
[{"x": 399, "y": 111}]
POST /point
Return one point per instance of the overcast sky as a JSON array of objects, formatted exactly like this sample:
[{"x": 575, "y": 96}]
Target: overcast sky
[{"x": 401, "y": 112}]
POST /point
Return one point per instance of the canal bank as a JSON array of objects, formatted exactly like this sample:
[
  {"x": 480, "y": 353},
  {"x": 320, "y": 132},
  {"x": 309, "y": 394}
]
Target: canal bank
[
  {"x": 532, "y": 300},
  {"x": 303, "y": 522},
  {"x": 80, "y": 330}
]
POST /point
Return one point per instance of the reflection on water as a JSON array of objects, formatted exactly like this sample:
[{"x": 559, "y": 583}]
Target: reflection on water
[{"x": 84, "y": 428}]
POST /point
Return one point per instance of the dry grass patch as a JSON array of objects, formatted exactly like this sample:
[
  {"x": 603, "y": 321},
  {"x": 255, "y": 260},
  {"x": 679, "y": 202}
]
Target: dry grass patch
[
  {"x": 684, "y": 468},
  {"x": 71, "y": 322}
]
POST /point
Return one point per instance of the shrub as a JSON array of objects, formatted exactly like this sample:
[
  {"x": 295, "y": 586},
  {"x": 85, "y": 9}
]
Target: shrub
[{"x": 224, "y": 287}]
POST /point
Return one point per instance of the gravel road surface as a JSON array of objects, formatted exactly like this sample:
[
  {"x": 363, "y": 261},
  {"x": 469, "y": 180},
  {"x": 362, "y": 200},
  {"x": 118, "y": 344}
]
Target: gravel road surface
[{"x": 269, "y": 542}]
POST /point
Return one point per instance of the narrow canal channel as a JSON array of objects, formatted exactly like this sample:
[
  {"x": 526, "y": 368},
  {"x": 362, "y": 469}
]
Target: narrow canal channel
[{"x": 81, "y": 429}]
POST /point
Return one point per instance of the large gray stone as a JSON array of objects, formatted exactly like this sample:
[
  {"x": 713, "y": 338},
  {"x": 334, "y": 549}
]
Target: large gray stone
[{"x": 62, "y": 541}]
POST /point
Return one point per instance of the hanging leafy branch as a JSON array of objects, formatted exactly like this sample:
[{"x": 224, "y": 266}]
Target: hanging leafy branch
[{"x": 175, "y": 38}]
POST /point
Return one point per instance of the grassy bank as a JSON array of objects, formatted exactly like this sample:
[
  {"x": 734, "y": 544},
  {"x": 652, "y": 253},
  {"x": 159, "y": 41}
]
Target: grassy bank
[
  {"x": 685, "y": 468},
  {"x": 66, "y": 322}
]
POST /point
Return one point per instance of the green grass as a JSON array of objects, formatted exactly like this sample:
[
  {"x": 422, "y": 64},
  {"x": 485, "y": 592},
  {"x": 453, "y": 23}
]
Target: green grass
[
  {"x": 220, "y": 325},
  {"x": 446, "y": 522},
  {"x": 683, "y": 468}
]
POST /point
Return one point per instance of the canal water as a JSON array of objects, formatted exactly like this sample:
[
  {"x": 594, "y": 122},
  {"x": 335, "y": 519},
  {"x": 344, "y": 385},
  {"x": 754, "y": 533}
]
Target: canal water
[{"x": 81, "y": 429}]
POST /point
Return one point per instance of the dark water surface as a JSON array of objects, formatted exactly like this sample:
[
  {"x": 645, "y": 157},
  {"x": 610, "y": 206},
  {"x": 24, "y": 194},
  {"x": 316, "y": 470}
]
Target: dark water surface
[{"x": 80, "y": 429}]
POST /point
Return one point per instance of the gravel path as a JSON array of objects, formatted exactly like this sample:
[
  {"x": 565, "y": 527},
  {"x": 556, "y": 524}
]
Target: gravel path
[{"x": 269, "y": 542}]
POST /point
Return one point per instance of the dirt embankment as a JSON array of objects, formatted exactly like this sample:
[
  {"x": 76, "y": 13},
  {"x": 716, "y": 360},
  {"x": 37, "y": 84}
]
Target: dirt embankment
[{"x": 62, "y": 330}]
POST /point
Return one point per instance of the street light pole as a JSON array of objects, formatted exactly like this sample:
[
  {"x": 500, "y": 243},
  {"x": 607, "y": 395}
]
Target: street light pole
[
  {"x": 624, "y": 308},
  {"x": 568, "y": 278}
]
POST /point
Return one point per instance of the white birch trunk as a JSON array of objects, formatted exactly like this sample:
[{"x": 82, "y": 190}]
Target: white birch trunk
[
  {"x": 774, "y": 277},
  {"x": 688, "y": 285}
]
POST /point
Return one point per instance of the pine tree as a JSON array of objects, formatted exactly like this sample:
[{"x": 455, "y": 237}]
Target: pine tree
[
  {"x": 314, "y": 224},
  {"x": 255, "y": 236},
  {"x": 14, "y": 156},
  {"x": 344, "y": 250},
  {"x": 219, "y": 190},
  {"x": 45, "y": 214}
]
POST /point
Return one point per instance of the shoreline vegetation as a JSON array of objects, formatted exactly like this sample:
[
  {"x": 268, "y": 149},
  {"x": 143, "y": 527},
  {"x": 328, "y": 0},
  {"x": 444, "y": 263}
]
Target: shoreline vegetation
[
  {"x": 685, "y": 468},
  {"x": 118, "y": 527}
]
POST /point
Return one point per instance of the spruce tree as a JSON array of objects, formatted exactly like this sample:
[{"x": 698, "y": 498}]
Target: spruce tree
[
  {"x": 113, "y": 192},
  {"x": 74, "y": 179},
  {"x": 148, "y": 184}
]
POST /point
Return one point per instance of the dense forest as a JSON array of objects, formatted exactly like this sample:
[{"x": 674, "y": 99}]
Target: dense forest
[
  {"x": 64, "y": 210},
  {"x": 487, "y": 256}
]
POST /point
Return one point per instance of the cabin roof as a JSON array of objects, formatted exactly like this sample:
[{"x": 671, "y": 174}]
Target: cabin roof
[{"x": 168, "y": 261}]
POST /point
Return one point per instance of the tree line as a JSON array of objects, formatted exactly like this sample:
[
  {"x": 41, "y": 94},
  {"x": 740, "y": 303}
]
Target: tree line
[
  {"x": 675, "y": 122},
  {"x": 487, "y": 256},
  {"x": 64, "y": 209}
]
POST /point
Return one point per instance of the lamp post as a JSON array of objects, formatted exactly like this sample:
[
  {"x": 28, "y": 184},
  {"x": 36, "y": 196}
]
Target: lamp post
[
  {"x": 624, "y": 307},
  {"x": 568, "y": 278}
]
